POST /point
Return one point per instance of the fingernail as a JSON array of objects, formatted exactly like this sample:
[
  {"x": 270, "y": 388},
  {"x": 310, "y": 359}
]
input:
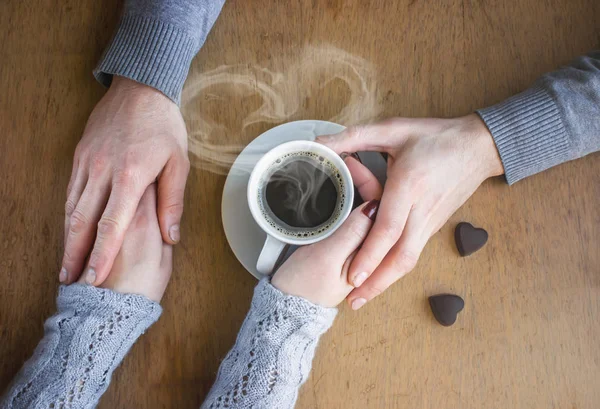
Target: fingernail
[
  {"x": 344, "y": 155},
  {"x": 370, "y": 209},
  {"x": 359, "y": 279},
  {"x": 359, "y": 302},
  {"x": 90, "y": 276},
  {"x": 174, "y": 233},
  {"x": 62, "y": 277}
]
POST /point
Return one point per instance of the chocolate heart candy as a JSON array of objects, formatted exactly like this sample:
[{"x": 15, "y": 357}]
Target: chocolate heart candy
[
  {"x": 469, "y": 239},
  {"x": 445, "y": 308}
]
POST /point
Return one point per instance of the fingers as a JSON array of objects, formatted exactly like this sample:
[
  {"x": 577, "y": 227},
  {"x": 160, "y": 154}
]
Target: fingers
[
  {"x": 166, "y": 264},
  {"x": 401, "y": 259},
  {"x": 349, "y": 236},
  {"x": 143, "y": 233},
  {"x": 166, "y": 267},
  {"x": 77, "y": 183},
  {"x": 147, "y": 204},
  {"x": 166, "y": 261},
  {"x": 145, "y": 222},
  {"x": 393, "y": 213},
  {"x": 80, "y": 225},
  {"x": 117, "y": 216},
  {"x": 75, "y": 172},
  {"x": 346, "y": 266},
  {"x": 171, "y": 188},
  {"x": 367, "y": 184},
  {"x": 156, "y": 277}
]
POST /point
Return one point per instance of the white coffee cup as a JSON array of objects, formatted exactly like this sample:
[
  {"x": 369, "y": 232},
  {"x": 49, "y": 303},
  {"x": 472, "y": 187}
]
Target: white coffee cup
[{"x": 279, "y": 235}]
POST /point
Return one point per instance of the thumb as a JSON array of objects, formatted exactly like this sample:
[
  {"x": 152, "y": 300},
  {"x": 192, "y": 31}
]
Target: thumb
[
  {"x": 364, "y": 180},
  {"x": 376, "y": 137},
  {"x": 381, "y": 136},
  {"x": 352, "y": 139},
  {"x": 171, "y": 188}
]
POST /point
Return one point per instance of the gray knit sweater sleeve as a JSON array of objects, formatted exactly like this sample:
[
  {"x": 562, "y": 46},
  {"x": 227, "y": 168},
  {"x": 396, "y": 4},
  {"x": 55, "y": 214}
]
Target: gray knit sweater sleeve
[
  {"x": 555, "y": 121},
  {"x": 273, "y": 353},
  {"x": 94, "y": 328},
  {"x": 156, "y": 41},
  {"x": 83, "y": 344}
]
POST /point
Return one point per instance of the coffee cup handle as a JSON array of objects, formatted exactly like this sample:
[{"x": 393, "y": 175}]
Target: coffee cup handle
[{"x": 269, "y": 255}]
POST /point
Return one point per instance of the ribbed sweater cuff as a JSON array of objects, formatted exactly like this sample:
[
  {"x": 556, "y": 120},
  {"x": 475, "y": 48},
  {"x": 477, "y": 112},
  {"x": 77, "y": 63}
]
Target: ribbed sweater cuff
[
  {"x": 528, "y": 131},
  {"x": 148, "y": 51}
]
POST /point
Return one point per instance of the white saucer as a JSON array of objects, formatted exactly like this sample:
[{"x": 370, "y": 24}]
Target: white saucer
[{"x": 243, "y": 234}]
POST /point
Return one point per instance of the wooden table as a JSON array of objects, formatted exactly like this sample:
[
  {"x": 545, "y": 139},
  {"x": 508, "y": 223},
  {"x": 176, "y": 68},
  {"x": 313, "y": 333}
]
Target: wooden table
[{"x": 529, "y": 334}]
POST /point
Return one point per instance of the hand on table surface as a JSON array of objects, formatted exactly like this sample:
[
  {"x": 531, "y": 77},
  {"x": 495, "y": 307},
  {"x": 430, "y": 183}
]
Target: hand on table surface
[
  {"x": 134, "y": 137},
  {"x": 144, "y": 262},
  {"x": 319, "y": 272},
  {"x": 434, "y": 166}
]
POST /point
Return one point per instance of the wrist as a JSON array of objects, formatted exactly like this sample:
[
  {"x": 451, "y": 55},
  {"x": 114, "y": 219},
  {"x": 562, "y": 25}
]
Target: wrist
[
  {"x": 481, "y": 141},
  {"x": 286, "y": 286},
  {"x": 125, "y": 86}
]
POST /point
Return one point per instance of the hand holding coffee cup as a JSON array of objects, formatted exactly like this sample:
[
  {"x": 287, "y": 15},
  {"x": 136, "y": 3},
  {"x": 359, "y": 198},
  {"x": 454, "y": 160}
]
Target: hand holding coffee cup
[
  {"x": 299, "y": 193},
  {"x": 319, "y": 272}
]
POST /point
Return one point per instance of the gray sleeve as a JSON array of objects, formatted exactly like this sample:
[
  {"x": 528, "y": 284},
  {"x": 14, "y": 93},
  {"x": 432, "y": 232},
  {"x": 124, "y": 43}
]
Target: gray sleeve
[
  {"x": 156, "y": 41},
  {"x": 273, "y": 353},
  {"x": 83, "y": 344},
  {"x": 555, "y": 121}
]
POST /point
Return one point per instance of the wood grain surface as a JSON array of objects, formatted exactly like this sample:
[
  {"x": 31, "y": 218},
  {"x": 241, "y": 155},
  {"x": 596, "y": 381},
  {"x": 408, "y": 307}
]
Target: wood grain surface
[{"x": 528, "y": 336}]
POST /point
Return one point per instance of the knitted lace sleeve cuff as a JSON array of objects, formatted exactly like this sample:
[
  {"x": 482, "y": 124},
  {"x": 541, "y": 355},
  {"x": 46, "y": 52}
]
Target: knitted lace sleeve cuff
[
  {"x": 83, "y": 343},
  {"x": 273, "y": 353},
  {"x": 268, "y": 299}
]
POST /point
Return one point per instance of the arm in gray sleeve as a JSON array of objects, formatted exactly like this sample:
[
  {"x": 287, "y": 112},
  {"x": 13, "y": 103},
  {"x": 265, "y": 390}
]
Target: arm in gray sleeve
[
  {"x": 156, "y": 41},
  {"x": 556, "y": 120},
  {"x": 83, "y": 343},
  {"x": 273, "y": 353}
]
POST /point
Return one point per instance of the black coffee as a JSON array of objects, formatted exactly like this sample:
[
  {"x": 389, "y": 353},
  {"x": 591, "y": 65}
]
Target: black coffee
[{"x": 302, "y": 192}]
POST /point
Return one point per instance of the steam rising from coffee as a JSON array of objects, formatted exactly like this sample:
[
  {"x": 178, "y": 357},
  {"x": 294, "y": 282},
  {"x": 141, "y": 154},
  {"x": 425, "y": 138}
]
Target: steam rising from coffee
[
  {"x": 282, "y": 93},
  {"x": 303, "y": 191},
  {"x": 281, "y": 89},
  {"x": 301, "y": 195}
]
